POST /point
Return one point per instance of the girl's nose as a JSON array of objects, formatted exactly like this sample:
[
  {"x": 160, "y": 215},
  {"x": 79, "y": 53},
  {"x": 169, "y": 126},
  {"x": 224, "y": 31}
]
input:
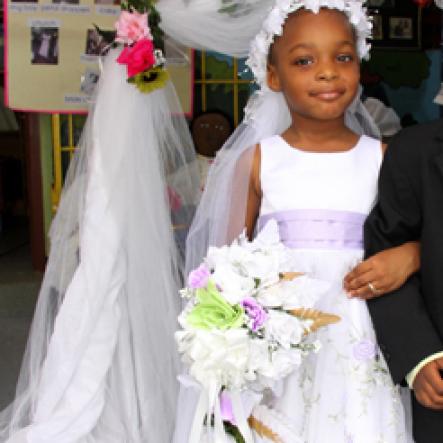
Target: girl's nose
[{"x": 327, "y": 72}]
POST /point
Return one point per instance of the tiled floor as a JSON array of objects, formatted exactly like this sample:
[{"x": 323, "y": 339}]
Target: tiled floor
[{"x": 19, "y": 286}]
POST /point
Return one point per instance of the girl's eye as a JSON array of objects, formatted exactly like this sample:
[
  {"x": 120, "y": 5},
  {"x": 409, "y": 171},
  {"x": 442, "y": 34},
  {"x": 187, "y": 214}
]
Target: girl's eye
[
  {"x": 345, "y": 58},
  {"x": 303, "y": 61}
]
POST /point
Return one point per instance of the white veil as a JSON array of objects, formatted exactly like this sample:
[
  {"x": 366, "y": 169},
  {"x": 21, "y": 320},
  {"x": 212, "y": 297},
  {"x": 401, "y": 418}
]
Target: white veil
[{"x": 99, "y": 365}]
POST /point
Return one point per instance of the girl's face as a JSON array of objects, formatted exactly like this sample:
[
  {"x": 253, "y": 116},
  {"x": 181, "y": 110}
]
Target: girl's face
[{"x": 315, "y": 64}]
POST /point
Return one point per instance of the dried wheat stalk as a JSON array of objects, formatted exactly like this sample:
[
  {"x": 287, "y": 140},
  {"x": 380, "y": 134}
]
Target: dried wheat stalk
[
  {"x": 263, "y": 430},
  {"x": 319, "y": 319},
  {"x": 288, "y": 276}
]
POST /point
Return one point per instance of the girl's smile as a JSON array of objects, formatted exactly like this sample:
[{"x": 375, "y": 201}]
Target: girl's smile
[{"x": 328, "y": 95}]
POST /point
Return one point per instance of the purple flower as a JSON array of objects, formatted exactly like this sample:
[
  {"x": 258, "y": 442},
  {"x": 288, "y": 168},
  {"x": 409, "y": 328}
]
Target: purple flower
[
  {"x": 255, "y": 312},
  {"x": 198, "y": 278},
  {"x": 226, "y": 410},
  {"x": 365, "y": 350}
]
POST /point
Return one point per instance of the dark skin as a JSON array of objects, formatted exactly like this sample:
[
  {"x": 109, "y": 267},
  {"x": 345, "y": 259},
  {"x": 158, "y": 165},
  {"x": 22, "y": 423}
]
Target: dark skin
[{"x": 318, "y": 72}]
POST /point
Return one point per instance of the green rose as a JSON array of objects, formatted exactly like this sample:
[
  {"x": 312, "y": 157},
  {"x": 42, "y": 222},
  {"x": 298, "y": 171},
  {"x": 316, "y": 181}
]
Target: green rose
[{"x": 213, "y": 311}]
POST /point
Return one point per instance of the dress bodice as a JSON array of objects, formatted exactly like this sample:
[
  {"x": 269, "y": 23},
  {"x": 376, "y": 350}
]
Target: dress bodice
[{"x": 320, "y": 200}]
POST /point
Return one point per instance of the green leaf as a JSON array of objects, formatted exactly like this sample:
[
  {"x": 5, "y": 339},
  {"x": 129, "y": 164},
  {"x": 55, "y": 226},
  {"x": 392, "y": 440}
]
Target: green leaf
[{"x": 234, "y": 432}]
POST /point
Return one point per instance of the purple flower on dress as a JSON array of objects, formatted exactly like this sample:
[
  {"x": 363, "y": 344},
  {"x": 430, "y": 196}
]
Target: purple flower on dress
[
  {"x": 226, "y": 410},
  {"x": 255, "y": 312},
  {"x": 365, "y": 350},
  {"x": 198, "y": 278}
]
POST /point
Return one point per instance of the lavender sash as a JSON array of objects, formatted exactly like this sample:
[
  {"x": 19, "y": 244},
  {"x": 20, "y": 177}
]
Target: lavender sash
[{"x": 318, "y": 229}]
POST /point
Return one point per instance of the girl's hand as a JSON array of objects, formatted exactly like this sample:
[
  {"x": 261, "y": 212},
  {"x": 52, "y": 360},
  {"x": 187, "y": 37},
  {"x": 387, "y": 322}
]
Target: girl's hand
[{"x": 384, "y": 272}]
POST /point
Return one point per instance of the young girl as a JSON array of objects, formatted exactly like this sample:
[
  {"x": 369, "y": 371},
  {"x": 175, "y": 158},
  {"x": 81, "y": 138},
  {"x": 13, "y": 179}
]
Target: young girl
[{"x": 318, "y": 179}]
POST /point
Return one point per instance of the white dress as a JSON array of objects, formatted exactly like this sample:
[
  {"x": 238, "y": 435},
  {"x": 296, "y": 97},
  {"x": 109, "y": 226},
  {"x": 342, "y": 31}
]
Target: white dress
[{"x": 344, "y": 394}]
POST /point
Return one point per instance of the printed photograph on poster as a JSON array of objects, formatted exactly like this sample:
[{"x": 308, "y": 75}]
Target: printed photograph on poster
[
  {"x": 401, "y": 28},
  {"x": 68, "y": 2},
  {"x": 89, "y": 81},
  {"x": 107, "y": 2},
  {"x": 44, "y": 46},
  {"x": 95, "y": 43}
]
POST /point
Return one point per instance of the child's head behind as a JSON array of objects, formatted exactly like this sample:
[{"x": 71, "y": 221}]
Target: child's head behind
[{"x": 315, "y": 64}]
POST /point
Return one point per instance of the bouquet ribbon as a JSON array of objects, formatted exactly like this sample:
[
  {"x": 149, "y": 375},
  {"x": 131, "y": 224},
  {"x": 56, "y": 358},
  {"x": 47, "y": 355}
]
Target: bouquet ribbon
[{"x": 208, "y": 404}]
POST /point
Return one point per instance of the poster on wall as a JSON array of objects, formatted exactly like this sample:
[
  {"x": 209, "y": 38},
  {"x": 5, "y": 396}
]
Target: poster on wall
[{"x": 52, "y": 52}]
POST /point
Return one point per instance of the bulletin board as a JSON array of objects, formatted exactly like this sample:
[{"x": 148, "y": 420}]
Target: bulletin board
[{"x": 52, "y": 55}]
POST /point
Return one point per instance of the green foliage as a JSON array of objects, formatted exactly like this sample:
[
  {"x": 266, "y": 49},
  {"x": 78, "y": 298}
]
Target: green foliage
[
  {"x": 218, "y": 69},
  {"x": 399, "y": 68},
  {"x": 233, "y": 431}
]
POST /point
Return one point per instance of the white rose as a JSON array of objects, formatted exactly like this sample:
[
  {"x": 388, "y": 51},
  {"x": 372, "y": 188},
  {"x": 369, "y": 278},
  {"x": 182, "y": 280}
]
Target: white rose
[
  {"x": 233, "y": 286},
  {"x": 262, "y": 266},
  {"x": 283, "y": 362},
  {"x": 259, "y": 355},
  {"x": 271, "y": 297},
  {"x": 283, "y": 328},
  {"x": 303, "y": 291},
  {"x": 217, "y": 355}
]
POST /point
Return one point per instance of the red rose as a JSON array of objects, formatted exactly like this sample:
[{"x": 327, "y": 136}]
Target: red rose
[{"x": 138, "y": 58}]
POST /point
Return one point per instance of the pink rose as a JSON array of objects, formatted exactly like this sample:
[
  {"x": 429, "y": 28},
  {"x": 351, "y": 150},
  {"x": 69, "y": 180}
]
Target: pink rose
[
  {"x": 138, "y": 58},
  {"x": 198, "y": 278},
  {"x": 132, "y": 27}
]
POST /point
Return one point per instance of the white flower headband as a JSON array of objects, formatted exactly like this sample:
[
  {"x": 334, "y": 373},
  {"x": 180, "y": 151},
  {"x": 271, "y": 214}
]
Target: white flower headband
[{"x": 273, "y": 25}]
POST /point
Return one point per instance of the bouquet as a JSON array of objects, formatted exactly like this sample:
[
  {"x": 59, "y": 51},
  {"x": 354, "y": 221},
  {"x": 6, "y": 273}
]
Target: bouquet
[{"x": 247, "y": 325}]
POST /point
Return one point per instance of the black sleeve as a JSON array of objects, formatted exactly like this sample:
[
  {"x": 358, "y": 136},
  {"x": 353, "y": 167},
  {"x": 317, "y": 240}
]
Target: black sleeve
[{"x": 404, "y": 329}]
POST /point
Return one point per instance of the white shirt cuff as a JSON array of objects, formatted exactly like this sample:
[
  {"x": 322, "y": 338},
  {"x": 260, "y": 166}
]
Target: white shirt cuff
[{"x": 411, "y": 376}]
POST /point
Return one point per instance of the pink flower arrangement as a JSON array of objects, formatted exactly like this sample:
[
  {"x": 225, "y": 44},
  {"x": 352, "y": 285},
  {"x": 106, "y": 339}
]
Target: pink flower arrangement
[
  {"x": 255, "y": 312},
  {"x": 132, "y": 27},
  {"x": 198, "y": 278},
  {"x": 144, "y": 62},
  {"x": 138, "y": 58}
]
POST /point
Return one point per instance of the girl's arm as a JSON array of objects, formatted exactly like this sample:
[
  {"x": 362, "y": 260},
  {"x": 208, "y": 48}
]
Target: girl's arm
[
  {"x": 385, "y": 271},
  {"x": 254, "y": 195}
]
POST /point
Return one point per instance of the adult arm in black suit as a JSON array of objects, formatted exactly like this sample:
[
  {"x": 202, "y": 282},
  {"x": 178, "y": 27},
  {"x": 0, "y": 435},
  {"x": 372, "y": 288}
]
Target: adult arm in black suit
[{"x": 404, "y": 329}]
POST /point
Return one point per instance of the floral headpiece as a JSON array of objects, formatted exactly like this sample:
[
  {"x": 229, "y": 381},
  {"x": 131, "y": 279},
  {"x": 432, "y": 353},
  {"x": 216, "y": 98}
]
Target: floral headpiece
[
  {"x": 273, "y": 26},
  {"x": 143, "y": 40}
]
